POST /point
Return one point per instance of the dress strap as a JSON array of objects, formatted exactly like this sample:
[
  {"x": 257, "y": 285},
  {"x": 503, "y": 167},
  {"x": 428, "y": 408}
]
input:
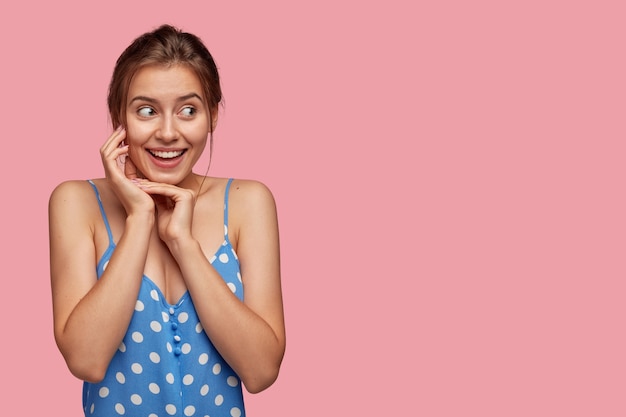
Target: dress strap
[
  {"x": 230, "y": 180},
  {"x": 104, "y": 216}
]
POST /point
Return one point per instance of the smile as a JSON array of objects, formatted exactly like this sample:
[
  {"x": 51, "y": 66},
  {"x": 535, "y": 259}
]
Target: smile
[{"x": 167, "y": 154}]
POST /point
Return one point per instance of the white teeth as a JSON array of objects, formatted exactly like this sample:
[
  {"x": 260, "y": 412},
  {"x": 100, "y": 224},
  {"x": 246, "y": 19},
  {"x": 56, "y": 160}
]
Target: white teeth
[{"x": 167, "y": 155}]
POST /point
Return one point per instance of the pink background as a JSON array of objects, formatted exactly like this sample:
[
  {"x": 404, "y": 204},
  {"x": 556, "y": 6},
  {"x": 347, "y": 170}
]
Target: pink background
[{"x": 450, "y": 184}]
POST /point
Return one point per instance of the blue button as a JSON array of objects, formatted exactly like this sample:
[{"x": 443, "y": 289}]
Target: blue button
[
  {"x": 177, "y": 351},
  {"x": 174, "y": 326}
]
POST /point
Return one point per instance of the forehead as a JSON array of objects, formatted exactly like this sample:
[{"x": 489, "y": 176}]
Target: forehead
[{"x": 164, "y": 82}]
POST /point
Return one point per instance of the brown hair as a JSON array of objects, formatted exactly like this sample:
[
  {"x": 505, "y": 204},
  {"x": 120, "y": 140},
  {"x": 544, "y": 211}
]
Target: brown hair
[{"x": 165, "y": 46}]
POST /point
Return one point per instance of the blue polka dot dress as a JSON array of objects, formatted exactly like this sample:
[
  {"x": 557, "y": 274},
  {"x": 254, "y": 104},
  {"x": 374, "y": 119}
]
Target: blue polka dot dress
[{"x": 166, "y": 365}]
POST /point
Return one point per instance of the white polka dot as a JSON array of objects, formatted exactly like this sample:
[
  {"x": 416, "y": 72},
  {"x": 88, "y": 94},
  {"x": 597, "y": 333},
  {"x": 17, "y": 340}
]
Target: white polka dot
[
  {"x": 120, "y": 377},
  {"x": 225, "y": 226},
  {"x": 154, "y": 295},
  {"x": 169, "y": 378},
  {"x": 199, "y": 328},
  {"x": 166, "y": 317},
  {"x": 223, "y": 258},
  {"x": 235, "y": 412},
  {"x": 232, "y": 287},
  {"x": 212, "y": 259},
  {"x": 139, "y": 306},
  {"x": 119, "y": 409},
  {"x": 152, "y": 415},
  {"x": 170, "y": 409},
  {"x": 104, "y": 392},
  {"x": 154, "y": 388},
  {"x": 232, "y": 381},
  {"x": 185, "y": 348},
  {"x": 93, "y": 407},
  {"x": 204, "y": 390},
  {"x": 203, "y": 359},
  {"x": 190, "y": 410},
  {"x": 155, "y": 326},
  {"x": 104, "y": 267},
  {"x": 122, "y": 347},
  {"x": 234, "y": 253},
  {"x": 154, "y": 357},
  {"x": 136, "y": 368},
  {"x": 137, "y": 337},
  {"x": 219, "y": 399},
  {"x": 183, "y": 317},
  {"x": 239, "y": 276},
  {"x": 169, "y": 347},
  {"x": 188, "y": 379},
  {"x": 217, "y": 368},
  {"x": 135, "y": 399}
]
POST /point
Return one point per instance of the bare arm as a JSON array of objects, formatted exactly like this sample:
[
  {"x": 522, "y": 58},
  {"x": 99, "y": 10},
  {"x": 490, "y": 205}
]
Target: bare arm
[{"x": 90, "y": 315}]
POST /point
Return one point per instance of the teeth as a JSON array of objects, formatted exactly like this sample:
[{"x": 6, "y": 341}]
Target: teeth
[{"x": 167, "y": 155}]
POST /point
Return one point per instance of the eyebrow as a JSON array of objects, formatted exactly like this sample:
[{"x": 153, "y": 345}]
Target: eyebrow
[{"x": 152, "y": 100}]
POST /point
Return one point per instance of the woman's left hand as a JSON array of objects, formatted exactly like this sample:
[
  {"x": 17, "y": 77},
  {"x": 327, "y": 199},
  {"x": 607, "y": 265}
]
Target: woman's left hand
[{"x": 174, "y": 207}]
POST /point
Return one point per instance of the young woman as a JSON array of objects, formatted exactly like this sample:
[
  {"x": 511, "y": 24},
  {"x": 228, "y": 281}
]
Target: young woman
[{"x": 165, "y": 283}]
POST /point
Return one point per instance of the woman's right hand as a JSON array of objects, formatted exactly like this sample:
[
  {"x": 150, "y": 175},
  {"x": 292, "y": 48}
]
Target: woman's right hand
[{"x": 121, "y": 173}]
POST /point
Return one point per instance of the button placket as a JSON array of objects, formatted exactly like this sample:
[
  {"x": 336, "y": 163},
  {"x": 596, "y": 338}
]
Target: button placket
[{"x": 175, "y": 333}]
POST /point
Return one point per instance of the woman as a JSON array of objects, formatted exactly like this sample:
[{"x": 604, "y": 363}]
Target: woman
[{"x": 150, "y": 263}]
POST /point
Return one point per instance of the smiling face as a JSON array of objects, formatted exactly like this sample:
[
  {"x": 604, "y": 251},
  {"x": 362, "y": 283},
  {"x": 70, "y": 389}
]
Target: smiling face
[{"x": 167, "y": 122}]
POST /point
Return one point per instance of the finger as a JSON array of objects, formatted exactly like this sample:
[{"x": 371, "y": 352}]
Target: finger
[
  {"x": 118, "y": 156},
  {"x": 167, "y": 190},
  {"x": 121, "y": 159},
  {"x": 113, "y": 141}
]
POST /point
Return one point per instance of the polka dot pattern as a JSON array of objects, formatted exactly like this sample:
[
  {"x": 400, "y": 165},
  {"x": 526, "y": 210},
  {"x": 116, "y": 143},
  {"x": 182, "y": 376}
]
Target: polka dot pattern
[{"x": 166, "y": 365}]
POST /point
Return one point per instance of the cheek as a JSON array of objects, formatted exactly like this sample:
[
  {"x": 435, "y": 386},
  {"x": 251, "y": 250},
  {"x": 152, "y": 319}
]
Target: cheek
[
  {"x": 198, "y": 135},
  {"x": 133, "y": 140},
  {"x": 134, "y": 134}
]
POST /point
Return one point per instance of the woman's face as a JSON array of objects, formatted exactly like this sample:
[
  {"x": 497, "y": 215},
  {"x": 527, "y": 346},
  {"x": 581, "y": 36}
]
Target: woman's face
[{"x": 167, "y": 122}]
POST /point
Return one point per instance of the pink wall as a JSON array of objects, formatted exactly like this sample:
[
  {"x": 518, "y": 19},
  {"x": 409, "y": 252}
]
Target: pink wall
[{"x": 450, "y": 184}]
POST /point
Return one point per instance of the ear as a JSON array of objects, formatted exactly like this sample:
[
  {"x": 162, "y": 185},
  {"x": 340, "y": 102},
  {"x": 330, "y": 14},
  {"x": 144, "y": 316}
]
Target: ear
[{"x": 213, "y": 119}]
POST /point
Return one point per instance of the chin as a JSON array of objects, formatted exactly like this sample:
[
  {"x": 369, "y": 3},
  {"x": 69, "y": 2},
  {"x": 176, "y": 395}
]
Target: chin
[{"x": 166, "y": 179}]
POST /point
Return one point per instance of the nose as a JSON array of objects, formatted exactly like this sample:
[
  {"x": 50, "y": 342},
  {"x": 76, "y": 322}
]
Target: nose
[{"x": 167, "y": 131}]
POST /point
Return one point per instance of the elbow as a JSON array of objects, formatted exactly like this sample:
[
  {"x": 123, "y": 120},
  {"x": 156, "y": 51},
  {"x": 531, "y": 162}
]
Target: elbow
[
  {"x": 86, "y": 370},
  {"x": 87, "y": 366},
  {"x": 261, "y": 378},
  {"x": 259, "y": 383},
  {"x": 265, "y": 373}
]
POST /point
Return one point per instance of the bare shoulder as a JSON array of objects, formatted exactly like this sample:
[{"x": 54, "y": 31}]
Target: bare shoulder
[
  {"x": 252, "y": 210},
  {"x": 73, "y": 198},
  {"x": 250, "y": 195},
  {"x": 68, "y": 191}
]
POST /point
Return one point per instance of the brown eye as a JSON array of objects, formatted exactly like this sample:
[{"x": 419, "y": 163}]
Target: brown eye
[
  {"x": 146, "y": 111},
  {"x": 188, "y": 111}
]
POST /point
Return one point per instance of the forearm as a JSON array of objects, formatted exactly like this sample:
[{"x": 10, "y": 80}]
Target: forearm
[
  {"x": 98, "y": 323},
  {"x": 245, "y": 340}
]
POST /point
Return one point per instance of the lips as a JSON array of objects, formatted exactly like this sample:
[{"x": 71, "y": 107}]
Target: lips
[{"x": 166, "y": 159}]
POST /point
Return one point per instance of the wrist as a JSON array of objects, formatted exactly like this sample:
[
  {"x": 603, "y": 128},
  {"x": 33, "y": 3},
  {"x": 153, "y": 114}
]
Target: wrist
[
  {"x": 182, "y": 245},
  {"x": 140, "y": 219}
]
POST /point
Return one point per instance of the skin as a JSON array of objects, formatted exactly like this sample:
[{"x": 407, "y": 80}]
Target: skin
[{"x": 167, "y": 228}]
